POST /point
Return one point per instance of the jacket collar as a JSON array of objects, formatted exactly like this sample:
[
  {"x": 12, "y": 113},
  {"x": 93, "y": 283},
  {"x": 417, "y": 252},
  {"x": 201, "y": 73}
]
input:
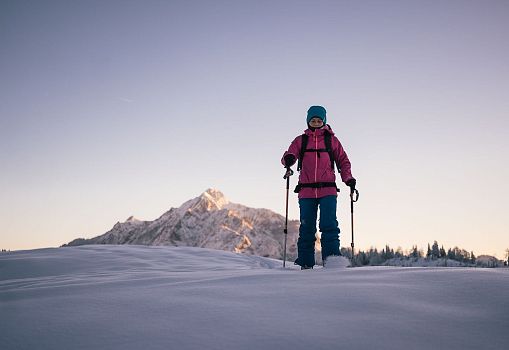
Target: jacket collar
[{"x": 319, "y": 132}]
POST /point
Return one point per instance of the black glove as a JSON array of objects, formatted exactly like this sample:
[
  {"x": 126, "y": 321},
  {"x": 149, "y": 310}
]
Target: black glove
[
  {"x": 289, "y": 160},
  {"x": 351, "y": 183}
]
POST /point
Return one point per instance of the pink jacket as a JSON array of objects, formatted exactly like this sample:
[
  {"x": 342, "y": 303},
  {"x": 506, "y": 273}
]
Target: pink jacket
[{"x": 316, "y": 167}]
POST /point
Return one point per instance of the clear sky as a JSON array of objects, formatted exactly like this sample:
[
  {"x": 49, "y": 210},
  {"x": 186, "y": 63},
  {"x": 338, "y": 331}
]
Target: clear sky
[{"x": 116, "y": 108}]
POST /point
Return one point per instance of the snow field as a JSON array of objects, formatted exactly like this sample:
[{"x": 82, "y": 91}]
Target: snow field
[{"x": 141, "y": 297}]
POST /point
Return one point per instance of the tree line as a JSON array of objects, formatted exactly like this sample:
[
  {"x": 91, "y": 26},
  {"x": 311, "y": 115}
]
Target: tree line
[{"x": 375, "y": 257}]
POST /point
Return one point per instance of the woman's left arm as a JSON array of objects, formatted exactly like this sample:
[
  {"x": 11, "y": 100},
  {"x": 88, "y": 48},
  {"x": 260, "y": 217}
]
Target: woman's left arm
[{"x": 342, "y": 159}]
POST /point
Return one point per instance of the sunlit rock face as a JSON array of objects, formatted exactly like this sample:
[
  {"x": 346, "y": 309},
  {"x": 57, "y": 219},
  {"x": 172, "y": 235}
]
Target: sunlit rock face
[{"x": 208, "y": 221}]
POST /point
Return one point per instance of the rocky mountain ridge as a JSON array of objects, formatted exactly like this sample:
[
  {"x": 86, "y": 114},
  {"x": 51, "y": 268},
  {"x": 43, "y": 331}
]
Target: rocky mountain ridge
[{"x": 208, "y": 221}]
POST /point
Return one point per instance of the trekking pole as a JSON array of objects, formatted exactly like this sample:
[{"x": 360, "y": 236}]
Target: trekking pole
[
  {"x": 289, "y": 172},
  {"x": 352, "y": 200}
]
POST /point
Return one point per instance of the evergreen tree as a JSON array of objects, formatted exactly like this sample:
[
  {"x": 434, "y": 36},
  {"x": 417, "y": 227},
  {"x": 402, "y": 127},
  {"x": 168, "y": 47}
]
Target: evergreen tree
[
  {"x": 443, "y": 254},
  {"x": 415, "y": 253},
  {"x": 361, "y": 259},
  {"x": 458, "y": 256},
  {"x": 466, "y": 255},
  {"x": 346, "y": 252},
  {"x": 387, "y": 253},
  {"x": 435, "y": 251},
  {"x": 374, "y": 258},
  {"x": 428, "y": 254}
]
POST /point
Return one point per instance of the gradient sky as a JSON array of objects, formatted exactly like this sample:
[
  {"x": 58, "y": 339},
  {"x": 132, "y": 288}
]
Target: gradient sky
[{"x": 116, "y": 108}]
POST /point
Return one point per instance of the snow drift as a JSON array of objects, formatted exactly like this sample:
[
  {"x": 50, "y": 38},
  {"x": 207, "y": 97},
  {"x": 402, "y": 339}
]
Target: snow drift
[{"x": 148, "y": 297}]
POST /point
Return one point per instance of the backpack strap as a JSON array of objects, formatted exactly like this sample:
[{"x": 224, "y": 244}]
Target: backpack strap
[
  {"x": 304, "y": 145},
  {"x": 328, "y": 149}
]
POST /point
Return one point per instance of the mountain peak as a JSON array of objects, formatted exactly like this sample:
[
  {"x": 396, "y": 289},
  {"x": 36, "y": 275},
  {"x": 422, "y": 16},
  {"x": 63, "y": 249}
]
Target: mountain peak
[
  {"x": 215, "y": 194},
  {"x": 132, "y": 219},
  {"x": 208, "y": 221},
  {"x": 214, "y": 197},
  {"x": 211, "y": 199}
]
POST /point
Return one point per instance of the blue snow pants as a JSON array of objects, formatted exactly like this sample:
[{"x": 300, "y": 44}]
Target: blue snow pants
[{"x": 328, "y": 227}]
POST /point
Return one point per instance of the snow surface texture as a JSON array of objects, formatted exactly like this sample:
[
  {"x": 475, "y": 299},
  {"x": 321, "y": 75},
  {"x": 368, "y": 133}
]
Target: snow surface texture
[{"x": 148, "y": 297}]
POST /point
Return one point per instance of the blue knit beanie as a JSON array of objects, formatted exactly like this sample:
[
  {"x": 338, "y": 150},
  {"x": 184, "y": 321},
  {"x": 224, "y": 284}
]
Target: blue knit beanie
[{"x": 317, "y": 111}]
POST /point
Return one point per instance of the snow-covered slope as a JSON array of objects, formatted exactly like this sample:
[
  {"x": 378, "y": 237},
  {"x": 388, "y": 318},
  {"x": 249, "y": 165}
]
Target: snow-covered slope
[
  {"x": 144, "y": 297},
  {"x": 208, "y": 221}
]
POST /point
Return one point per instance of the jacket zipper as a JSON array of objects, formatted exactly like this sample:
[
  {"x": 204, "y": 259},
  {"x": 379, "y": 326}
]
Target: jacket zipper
[{"x": 316, "y": 164}]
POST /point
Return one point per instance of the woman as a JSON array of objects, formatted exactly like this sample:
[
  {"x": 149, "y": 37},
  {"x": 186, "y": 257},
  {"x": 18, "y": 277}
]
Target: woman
[{"x": 316, "y": 151}]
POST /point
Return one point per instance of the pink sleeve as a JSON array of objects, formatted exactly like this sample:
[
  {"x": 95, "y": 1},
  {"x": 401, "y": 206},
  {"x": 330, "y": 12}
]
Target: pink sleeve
[
  {"x": 293, "y": 149},
  {"x": 342, "y": 159}
]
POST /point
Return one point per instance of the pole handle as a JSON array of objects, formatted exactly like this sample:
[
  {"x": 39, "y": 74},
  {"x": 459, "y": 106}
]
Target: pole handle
[
  {"x": 289, "y": 172},
  {"x": 354, "y": 194}
]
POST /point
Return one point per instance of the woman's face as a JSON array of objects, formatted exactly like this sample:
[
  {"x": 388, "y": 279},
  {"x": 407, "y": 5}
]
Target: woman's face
[{"x": 316, "y": 122}]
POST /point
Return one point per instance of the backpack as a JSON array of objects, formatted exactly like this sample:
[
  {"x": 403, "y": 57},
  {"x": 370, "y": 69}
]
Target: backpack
[{"x": 328, "y": 149}]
